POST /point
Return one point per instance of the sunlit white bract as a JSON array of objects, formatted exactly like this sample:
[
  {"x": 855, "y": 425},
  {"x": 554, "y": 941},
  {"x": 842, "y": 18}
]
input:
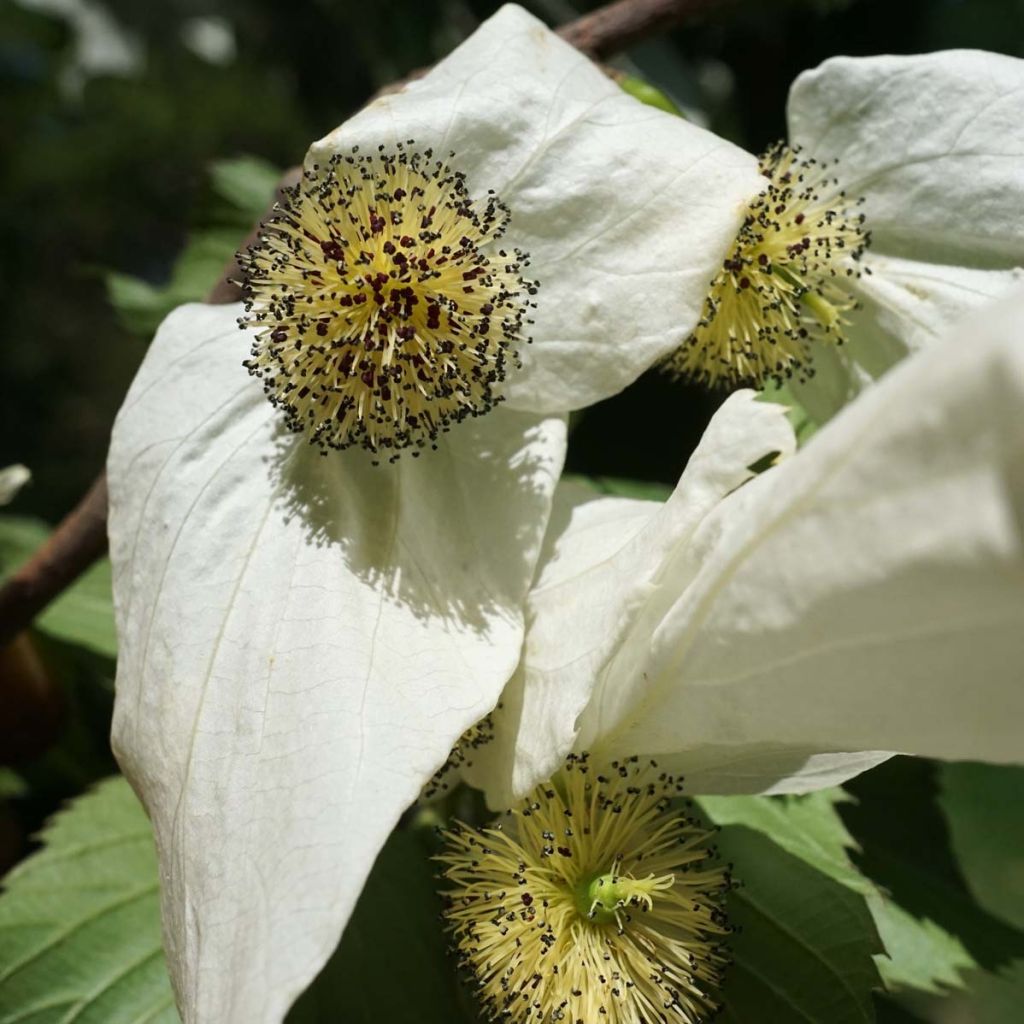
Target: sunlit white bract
[{"x": 781, "y": 634}]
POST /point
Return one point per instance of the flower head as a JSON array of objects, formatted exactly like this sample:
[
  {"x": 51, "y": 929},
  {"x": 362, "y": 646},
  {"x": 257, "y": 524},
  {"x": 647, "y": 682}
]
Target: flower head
[
  {"x": 784, "y": 286},
  {"x": 925, "y": 152},
  {"x": 597, "y": 899},
  {"x": 385, "y": 309}
]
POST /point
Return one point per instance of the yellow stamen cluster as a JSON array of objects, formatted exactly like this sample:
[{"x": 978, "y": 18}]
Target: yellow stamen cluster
[
  {"x": 593, "y": 901},
  {"x": 384, "y": 309},
  {"x": 784, "y": 285}
]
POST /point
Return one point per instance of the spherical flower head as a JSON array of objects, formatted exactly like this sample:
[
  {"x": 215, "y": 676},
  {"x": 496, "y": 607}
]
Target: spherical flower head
[
  {"x": 383, "y": 306},
  {"x": 595, "y": 900},
  {"x": 783, "y": 287}
]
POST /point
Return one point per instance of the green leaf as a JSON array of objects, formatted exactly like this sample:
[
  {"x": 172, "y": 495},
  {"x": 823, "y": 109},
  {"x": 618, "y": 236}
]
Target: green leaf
[
  {"x": 393, "y": 950},
  {"x": 921, "y": 954},
  {"x": 904, "y": 844},
  {"x": 84, "y": 613},
  {"x": 143, "y": 306},
  {"x": 79, "y": 920},
  {"x": 806, "y": 946},
  {"x": 984, "y": 807},
  {"x": 246, "y": 183},
  {"x": 241, "y": 190},
  {"x": 806, "y": 826},
  {"x": 918, "y": 953},
  {"x": 619, "y": 487}
]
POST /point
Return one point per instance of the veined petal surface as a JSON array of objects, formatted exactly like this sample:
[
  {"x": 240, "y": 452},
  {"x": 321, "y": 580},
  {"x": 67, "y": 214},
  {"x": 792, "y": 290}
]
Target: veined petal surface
[
  {"x": 934, "y": 143},
  {"x": 303, "y": 638},
  {"x": 602, "y": 588},
  {"x": 905, "y": 305},
  {"x": 865, "y": 595}
]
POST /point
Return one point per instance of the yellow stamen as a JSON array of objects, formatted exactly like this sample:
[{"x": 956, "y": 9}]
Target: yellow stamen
[
  {"x": 594, "y": 901},
  {"x": 384, "y": 310},
  {"x": 783, "y": 287}
]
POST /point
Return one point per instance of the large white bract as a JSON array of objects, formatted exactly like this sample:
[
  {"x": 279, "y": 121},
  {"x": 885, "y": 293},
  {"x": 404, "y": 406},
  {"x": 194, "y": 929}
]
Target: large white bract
[
  {"x": 783, "y": 632},
  {"x": 304, "y": 636}
]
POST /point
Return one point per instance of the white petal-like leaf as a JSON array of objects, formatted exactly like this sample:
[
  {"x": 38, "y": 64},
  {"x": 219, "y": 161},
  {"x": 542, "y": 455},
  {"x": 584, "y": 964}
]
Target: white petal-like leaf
[
  {"x": 626, "y": 211},
  {"x": 905, "y": 305},
  {"x": 606, "y": 577},
  {"x": 866, "y": 594},
  {"x": 302, "y": 640},
  {"x": 934, "y": 143}
]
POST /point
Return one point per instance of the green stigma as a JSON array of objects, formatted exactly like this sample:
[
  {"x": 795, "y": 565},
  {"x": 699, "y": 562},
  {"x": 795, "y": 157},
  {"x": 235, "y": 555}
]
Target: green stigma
[{"x": 603, "y": 898}]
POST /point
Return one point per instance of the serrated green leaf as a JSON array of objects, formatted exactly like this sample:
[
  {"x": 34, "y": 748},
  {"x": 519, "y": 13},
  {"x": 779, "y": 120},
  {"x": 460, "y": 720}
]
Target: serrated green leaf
[
  {"x": 806, "y": 947},
  {"x": 904, "y": 848},
  {"x": 619, "y": 487},
  {"x": 921, "y": 954},
  {"x": 79, "y": 920},
  {"x": 806, "y": 826},
  {"x": 918, "y": 952},
  {"x": 984, "y": 807},
  {"x": 84, "y": 613}
]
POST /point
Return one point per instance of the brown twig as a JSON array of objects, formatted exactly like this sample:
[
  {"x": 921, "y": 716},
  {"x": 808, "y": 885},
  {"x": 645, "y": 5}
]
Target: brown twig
[
  {"x": 81, "y": 537},
  {"x": 616, "y": 27}
]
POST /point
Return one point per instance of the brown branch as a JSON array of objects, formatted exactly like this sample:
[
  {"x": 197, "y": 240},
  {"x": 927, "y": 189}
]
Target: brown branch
[
  {"x": 81, "y": 537},
  {"x": 618, "y": 26}
]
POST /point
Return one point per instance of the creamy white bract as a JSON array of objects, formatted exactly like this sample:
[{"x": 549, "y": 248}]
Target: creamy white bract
[
  {"x": 305, "y": 635},
  {"x": 781, "y": 633}
]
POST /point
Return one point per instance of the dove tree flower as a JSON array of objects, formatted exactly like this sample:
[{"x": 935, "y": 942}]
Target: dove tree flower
[
  {"x": 894, "y": 210},
  {"x": 761, "y": 634},
  {"x": 783, "y": 632},
  {"x": 307, "y": 626}
]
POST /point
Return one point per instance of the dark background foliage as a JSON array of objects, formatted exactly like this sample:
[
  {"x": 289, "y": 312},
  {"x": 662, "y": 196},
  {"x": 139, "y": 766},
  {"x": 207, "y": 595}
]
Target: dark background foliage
[{"x": 105, "y": 171}]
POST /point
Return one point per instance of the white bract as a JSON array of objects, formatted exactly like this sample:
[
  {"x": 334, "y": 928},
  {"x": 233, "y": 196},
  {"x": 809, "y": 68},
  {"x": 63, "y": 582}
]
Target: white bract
[
  {"x": 781, "y": 633},
  {"x": 895, "y": 209},
  {"x": 935, "y": 146},
  {"x": 304, "y": 636}
]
